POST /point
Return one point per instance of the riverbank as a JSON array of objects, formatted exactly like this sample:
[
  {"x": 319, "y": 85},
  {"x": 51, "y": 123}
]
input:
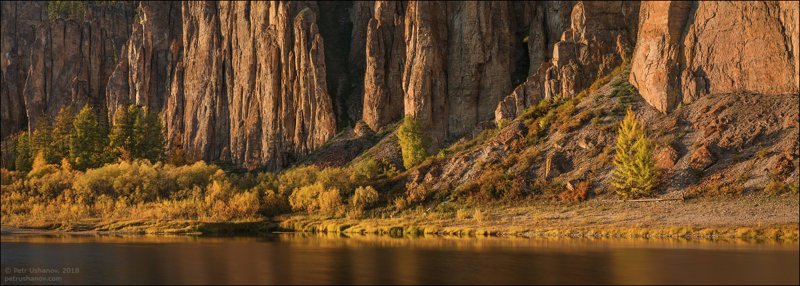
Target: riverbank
[{"x": 751, "y": 216}]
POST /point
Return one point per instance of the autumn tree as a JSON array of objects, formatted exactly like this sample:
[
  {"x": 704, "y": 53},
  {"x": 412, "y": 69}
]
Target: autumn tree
[{"x": 635, "y": 173}]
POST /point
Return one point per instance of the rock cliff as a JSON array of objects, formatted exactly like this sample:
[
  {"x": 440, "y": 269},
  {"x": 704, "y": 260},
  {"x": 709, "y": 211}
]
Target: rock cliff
[
  {"x": 690, "y": 49},
  {"x": 263, "y": 84}
]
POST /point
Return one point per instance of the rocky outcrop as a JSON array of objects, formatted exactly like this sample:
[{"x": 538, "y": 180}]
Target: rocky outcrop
[
  {"x": 144, "y": 74},
  {"x": 600, "y": 37},
  {"x": 250, "y": 89},
  {"x": 684, "y": 52},
  {"x": 458, "y": 65},
  {"x": 524, "y": 95},
  {"x": 19, "y": 22},
  {"x": 59, "y": 62},
  {"x": 424, "y": 77},
  {"x": 385, "y": 56}
]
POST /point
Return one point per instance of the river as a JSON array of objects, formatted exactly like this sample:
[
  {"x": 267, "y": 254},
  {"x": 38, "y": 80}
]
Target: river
[{"x": 331, "y": 259}]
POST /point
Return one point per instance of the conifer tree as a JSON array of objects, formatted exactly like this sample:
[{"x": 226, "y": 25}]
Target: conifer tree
[
  {"x": 635, "y": 173},
  {"x": 121, "y": 135},
  {"x": 62, "y": 131},
  {"x": 41, "y": 140},
  {"x": 23, "y": 162},
  {"x": 87, "y": 143}
]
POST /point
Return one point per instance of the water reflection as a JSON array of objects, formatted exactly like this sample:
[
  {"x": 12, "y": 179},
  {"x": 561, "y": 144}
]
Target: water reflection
[{"x": 314, "y": 259}]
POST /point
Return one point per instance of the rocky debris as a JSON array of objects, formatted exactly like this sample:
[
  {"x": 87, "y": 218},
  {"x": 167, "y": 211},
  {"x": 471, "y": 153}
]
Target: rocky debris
[
  {"x": 600, "y": 36},
  {"x": 686, "y": 50},
  {"x": 385, "y": 57},
  {"x": 701, "y": 158},
  {"x": 666, "y": 157}
]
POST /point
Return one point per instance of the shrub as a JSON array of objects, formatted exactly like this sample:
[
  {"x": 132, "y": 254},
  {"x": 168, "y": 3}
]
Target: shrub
[
  {"x": 297, "y": 177},
  {"x": 364, "y": 197},
  {"x": 332, "y": 177},
  {"x": 330, "y": 202},
  {"x": 635, "y": 173},
  {"x": 305, "y": 198},
  {"x": 245, "y": 204},
  {"x": 138, "y": 181},
  {"x": 366, "y": 171},
  {"x": 413, "y": 142},
  {"x": 577, "y": 194},
  {"x": 274, "y": 203},
  {"x": 187, "y": 177}
]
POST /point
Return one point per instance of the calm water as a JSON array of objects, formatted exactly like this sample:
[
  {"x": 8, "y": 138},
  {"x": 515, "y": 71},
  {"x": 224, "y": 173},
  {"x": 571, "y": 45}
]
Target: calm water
[{"x": 301, "y": 259}]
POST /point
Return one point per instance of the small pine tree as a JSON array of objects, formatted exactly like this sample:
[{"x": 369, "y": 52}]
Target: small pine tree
[
  {"x": 42, "y": 140},
  {"x": 87, "y": 145},
  {"x": 413, "y": 143},
  {"x": 62, "y": 131},
  {"x": 23, "y": 162},
  {"x": 635, "y": 173},
  {"x": 121, "y": 136},
  {"x": 153, "y": 144}
]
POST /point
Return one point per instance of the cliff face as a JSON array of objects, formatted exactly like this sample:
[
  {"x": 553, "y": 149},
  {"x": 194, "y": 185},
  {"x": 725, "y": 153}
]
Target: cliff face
[
  {"x": 49, "y": 64},
  {"x": 687, "y": 50},
  {"x": 262, "y": 84},
  {"x": 252, "y": 89}
]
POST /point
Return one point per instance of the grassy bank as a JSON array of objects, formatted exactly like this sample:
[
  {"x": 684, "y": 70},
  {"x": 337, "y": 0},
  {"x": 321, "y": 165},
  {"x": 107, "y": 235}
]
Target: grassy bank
[{"x": 753, "y": 217}]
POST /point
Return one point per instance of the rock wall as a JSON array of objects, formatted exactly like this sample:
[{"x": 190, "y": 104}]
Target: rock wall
[
  {"x": 600, "y": 37},
  {"x": 50, "y": 64},
  {"x": 687, "y": 50},
  {"x": 252, "y": 89},
  {"x": 384, "y": 61},
  {"x": 262, "y": 84}
]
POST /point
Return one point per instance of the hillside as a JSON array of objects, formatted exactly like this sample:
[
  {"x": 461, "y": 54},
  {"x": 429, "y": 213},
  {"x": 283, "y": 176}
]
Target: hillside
[{"x": 495, "y": 115}]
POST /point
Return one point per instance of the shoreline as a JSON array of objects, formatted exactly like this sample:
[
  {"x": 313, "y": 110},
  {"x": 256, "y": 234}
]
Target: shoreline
[{"x": 750, "y": 217}]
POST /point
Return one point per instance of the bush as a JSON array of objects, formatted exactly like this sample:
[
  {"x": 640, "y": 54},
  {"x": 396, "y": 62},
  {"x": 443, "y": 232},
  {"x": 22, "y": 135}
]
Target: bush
[
  {"x": 245, "y": 205},
  {"x": 330, "y": 202},
  {"x": 366, "y": 171},
  {"x": 413, "y": 142},
  {"x": 635, "y": 173},
  {"x": 138, "y": 181},
  {"x": 577, "y": 194},
  {"x": 364, "y": 197},
  {"x": 305, "y": 198},
  {"x": 332, "y": 177},
  {"x": 297, "y": 177},
  {"x": 274, "y": 203}
]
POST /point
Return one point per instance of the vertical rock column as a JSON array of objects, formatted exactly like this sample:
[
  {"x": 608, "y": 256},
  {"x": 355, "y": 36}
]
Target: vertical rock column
[
  {"x": 385, "y": 55},
  {"x": 424, "y": 77}
]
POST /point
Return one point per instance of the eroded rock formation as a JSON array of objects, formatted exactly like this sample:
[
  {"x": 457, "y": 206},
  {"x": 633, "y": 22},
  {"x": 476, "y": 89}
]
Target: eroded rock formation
[
  {"x": 262, "y": 84},
  {"x": 600, "y": 37},
  {"x": 689, "y": 49}
]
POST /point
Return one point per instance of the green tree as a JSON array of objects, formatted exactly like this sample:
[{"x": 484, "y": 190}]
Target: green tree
[
  {"x": 121, "y": 135},
  {"x": 41, "y": 140},
  {"x": 413, "y": 143},
  {"x": 153, "y": 143},
  {"x": 635, "y": 172},
  {"x": 87, "y": 145},
  {"x": 62, "y": 131},
  {"x": 23, "y": 162}
]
